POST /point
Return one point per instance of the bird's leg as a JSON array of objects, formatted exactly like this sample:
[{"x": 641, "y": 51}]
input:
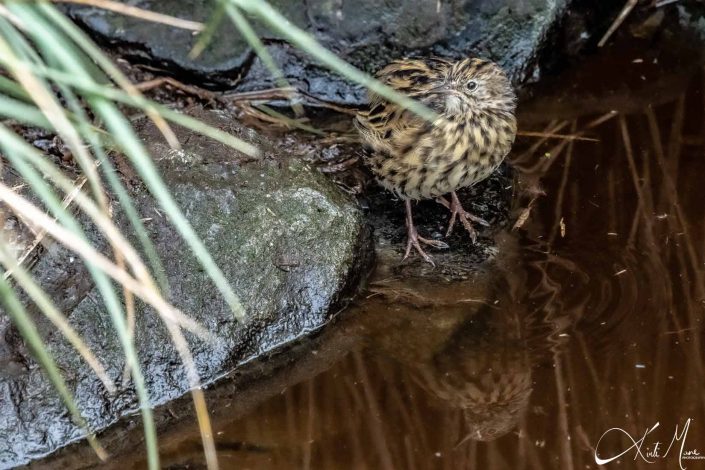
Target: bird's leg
[
  {"x": 414, "y": 240},
  {"x": 456, "y": 210}
]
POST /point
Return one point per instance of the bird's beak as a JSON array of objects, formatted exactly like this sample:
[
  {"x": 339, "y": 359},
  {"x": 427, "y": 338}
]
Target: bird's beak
[{"x": 445, "y": 88}]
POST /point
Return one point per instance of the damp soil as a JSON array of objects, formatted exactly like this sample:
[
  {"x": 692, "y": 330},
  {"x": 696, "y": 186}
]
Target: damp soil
[{"x": 588, "y": 318}]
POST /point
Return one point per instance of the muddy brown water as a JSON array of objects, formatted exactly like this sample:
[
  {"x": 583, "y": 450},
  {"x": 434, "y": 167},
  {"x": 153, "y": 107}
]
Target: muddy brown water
[{"x": 583, "y": 339}]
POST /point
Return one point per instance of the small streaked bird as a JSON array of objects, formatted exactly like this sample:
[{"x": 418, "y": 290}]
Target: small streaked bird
[{"x": 415, "y": 158}]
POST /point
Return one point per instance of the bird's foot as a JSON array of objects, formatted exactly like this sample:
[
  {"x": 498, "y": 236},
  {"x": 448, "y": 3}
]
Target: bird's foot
[
  {"x": 414, "y": 241},
  {"x": 457, "y": 212}
]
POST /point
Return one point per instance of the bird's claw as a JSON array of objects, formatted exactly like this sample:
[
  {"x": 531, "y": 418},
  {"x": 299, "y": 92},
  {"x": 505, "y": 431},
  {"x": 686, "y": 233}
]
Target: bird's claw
[
  {"x": 477, "y": 219},
  {"x": 463, "y": 220},
  {"x": 458, "y": 212},
  {"x": 441, "y": 245},
  {"x": 414, "y": 240},
  {"x": 420, "y": 251}
]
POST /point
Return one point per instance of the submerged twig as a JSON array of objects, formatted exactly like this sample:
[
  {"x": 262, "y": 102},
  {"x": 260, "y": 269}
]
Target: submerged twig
[
  {"x": 549, "y": 135},
  {"x": 558, "y": 217},
  {"x": 552, "y": 128},
  {"x": 524, "y": 216},
  {"x": 628, "y": 7}
]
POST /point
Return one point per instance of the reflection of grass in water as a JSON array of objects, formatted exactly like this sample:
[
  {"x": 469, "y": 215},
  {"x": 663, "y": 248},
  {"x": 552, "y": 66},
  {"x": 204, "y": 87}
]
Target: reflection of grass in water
[{"x": 673, "y": 278}]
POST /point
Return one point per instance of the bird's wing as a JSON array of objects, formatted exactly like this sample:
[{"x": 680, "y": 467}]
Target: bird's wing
[
  {"x": 384, "y": 120},
  {"x": 384, "y": 125}
]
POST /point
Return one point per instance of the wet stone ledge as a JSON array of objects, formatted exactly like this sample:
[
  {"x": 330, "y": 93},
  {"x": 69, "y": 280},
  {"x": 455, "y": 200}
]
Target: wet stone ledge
[
  {"x": 521, "y": 35},
  {"x": 292, "y": 244},
  {"x": 490, "y": 200}
]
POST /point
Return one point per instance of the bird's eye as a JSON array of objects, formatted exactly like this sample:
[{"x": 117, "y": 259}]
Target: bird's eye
[{"x": 471, "y": 85}]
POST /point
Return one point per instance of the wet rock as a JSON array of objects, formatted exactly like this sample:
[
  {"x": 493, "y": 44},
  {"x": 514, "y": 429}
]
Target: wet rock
[
  {"x": 293, "y": 246},
  {"x": 519, "y": 34},
  {"x": 441, "y": 336}
]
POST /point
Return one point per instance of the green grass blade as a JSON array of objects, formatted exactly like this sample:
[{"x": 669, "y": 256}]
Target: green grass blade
[
  {"x": 206, "y": 35},
  {"x": 54, "y": 48},
  {"x": 13, "y": 146},
  {"x": 254, "y": 41},
  {"x": 109, "y": 92},
  {"x": 123, "y": 133},
  {"x": 17, "y": 42},
  {"x": 306, "y": 42},
  {"x": 48, "y": 103},
  {"x": 141, "y": 285},
  {"x": 22, "y": 112},
  {"x": 46, "y": 306},
  {"x": 125, "y": 136},
  {"x": 12, "y": 88},
  {"x": 206, "y": 130},
  {"x": 68, "y": 60},
  {"x": 128, "y": 207},
  {"x": 86, "y": 44},
  {"x": 113, "y": 94},
  {"x": 30, "y": 115},
  {"x": 21, "y": 319},
  {"x": 62, "y": 54},
  {"x": 126, "y": 204}
]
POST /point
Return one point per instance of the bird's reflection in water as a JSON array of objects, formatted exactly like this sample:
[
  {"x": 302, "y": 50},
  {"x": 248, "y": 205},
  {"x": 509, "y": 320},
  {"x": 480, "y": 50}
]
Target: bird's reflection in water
[{"x": 485, "y": 371}]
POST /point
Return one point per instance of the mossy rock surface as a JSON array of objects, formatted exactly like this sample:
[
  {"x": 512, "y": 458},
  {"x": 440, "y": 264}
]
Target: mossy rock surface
[{"x": 293, "y": 246}]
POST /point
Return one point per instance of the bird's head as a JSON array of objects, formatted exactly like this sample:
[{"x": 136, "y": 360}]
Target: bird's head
[{"x": 468, "y": 86}]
